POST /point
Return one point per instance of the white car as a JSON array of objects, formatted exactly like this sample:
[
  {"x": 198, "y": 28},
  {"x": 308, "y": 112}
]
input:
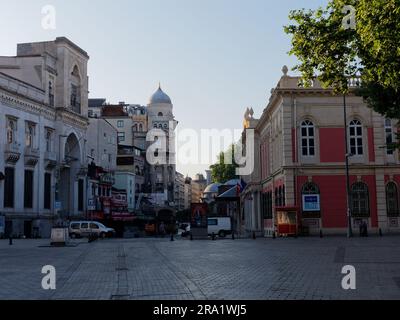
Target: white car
[
  {"x": 78, "y": 229},
  {"x": 220, "y": 226}
]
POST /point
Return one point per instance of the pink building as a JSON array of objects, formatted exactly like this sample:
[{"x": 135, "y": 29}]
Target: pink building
[{"x": 300, "y": 162}]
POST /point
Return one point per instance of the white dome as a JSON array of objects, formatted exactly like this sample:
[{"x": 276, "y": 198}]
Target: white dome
[
  {"x": 212, "y": 188},
  {"x": 160, "y": 97}
]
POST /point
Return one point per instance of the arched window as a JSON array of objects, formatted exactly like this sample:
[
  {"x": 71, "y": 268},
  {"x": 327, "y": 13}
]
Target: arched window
[
  {"x": 140, "y": 128},
  {"x": 307, "y": 139},
  {"x": 392, "y": 200},
  {"x": 135, "y": 128},
  {"x": 165, "y": 126},
  {"x": 389, "y": 136},
  {"x": 360, "y": 200},
  {"x": 311, "y": 200},
  {"x": 356, "y": 138},
  {"x": 137, "y": 170},
  {"x": 75, "y": 94},
  {"x": 160, "y": 114},
  {"x": 160, "y": 126}
]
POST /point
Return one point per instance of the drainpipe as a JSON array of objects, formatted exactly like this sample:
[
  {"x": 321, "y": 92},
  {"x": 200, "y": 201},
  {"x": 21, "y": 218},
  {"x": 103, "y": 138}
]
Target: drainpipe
[{"x": 295, "y": 160}]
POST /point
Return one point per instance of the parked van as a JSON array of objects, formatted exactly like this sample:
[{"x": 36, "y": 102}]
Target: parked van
[
  {"x": 220, "y": 226},
  {"x": 78, "y": 229}
]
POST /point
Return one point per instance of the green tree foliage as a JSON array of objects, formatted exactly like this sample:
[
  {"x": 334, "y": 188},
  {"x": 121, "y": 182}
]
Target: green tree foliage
[
  {"x": 223, "y": 171},
  {"x": 333, "y": 52}
]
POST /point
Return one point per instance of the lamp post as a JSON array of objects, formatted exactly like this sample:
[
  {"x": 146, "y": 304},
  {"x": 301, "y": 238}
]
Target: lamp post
[{"x": 349, "y": 224}]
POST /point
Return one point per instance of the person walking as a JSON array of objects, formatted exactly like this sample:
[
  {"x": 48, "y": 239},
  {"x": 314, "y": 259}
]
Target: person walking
[{"x": 162, "y": 229}]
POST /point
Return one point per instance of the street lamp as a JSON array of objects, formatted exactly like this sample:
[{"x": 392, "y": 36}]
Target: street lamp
[{"x": 349, "y": 224}]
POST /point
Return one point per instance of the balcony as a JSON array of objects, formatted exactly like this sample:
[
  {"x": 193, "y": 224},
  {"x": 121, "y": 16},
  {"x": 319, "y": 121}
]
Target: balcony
[
  {"x": 50, "y": 159},
  {"x": 11, "y": 153},
  {"x": 31, "y": 156}
]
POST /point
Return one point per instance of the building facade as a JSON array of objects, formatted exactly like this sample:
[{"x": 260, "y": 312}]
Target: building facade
[
  {"x": 300, "y": 144},
  {"x": 43, "y": 120}
]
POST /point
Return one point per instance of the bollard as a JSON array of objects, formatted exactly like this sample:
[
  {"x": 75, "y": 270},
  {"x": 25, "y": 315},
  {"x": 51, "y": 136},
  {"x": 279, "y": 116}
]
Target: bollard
[
  {"x": 321, "y": 234},
  {"x": 191, "y": 237},
  {"x": 213, "y": 236},
  {"x": 254, "y": 236},
  {"x": 172, "y": 237},
  {"x": 233, "y": 236},
  {"x": 10, "y": 239},
  {"x": 273, "y": 235},
  {"x": 380, "y": 232}
]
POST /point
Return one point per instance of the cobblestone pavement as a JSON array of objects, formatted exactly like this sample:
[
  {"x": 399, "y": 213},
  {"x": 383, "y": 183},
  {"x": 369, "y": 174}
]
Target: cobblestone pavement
[{"x": 304, "y": 268}]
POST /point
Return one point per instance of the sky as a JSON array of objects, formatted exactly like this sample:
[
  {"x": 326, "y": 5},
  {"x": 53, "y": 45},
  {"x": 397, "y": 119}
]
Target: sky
[{"x": 214, "y": 58}]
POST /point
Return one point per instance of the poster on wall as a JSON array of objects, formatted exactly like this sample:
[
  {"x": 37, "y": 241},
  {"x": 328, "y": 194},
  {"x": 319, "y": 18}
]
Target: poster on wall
[
  {"x": 311, "y": 202},
  {"x": 199, "y": 224}
]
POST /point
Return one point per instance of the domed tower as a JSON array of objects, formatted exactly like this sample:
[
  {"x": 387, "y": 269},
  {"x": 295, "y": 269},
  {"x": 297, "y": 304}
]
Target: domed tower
[{"x": 160, "y": 116}]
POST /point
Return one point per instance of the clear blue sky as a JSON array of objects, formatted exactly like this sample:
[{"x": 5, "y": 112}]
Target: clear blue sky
[{"x": 213, "y": 57}]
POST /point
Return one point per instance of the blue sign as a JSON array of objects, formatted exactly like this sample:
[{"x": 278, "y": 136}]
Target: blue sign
[
  {"x": 311, "y": 202},
  {"x": 57, "y": 205}
]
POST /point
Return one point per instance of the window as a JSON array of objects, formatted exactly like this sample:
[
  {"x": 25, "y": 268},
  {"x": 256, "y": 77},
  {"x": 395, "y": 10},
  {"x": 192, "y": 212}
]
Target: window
[
  {"x": 160, "y": 114},
  {"x": 360, "y": 200},
  {"x": 392, "y": 200},
  {"x": 75, "y": 98},
  {"x": 48, "y": 139},
  {"x": 47, "y": 191},
  {"x": 121, "y": 137},
  {"x": 29, "y": 135},
  {"x": 307, "y": 139},
  {"x": 51, "y": 94},
  {"x": 120, "y": 124},
  {"x": 266, "y": 203},
  {"x": 212, "y": 222},
  {"x": 75, "y": 226},
  {"x": 356, "y": 138},
  {"x": 135, "y": 127},
  {"x": 94, "y": 226},
  {"x": 80, "y": 195},
  {"x": 28, "y": 189},
  {"x": 11, "y": 129},
  {"x": 137, "y": 170},
  {"x": 9, "y": 187},
  {"x": 389, "y": 137},
  {"x": 140, "y": 128},
  {"x": 75, "y": 95},
  {"x": 85, "y": 226}
]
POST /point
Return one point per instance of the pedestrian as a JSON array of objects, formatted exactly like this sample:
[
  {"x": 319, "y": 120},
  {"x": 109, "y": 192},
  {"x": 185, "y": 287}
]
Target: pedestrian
[
  {"x": 162, "y": 229},
  {"x": 365, "y": 229}
]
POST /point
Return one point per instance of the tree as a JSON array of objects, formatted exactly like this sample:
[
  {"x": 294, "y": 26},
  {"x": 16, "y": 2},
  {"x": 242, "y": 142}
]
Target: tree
[
  {"x": 332, "y": 51},
  {"x": 224, "y": 171}
]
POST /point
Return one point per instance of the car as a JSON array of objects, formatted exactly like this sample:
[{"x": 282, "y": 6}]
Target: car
[
  {"x": 78, "y": 229},
  {"x": 220, "y": 226}
]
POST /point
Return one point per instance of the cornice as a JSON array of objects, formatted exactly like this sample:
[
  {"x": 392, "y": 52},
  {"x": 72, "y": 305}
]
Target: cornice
[{"x": 25, "y": 104}]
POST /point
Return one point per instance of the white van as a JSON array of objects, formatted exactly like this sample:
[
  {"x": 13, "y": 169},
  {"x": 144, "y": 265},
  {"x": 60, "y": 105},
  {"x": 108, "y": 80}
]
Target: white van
[
  {"x": 78, "y": 229},
  {"x": 220, "y": 226}
]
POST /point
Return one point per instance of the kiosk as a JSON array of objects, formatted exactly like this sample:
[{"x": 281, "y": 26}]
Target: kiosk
[{"x": 287, "y": 221}]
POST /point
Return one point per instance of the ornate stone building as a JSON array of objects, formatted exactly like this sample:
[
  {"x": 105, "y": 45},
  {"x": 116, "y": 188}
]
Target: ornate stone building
[
  {"x": 43, "y": 122},
  {"x": 300, "y": 150}
]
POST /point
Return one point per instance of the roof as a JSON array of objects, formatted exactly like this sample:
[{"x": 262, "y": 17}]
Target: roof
[
  {"x": 95, "y": 103},
  {"x": 231, "y": 193}
]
